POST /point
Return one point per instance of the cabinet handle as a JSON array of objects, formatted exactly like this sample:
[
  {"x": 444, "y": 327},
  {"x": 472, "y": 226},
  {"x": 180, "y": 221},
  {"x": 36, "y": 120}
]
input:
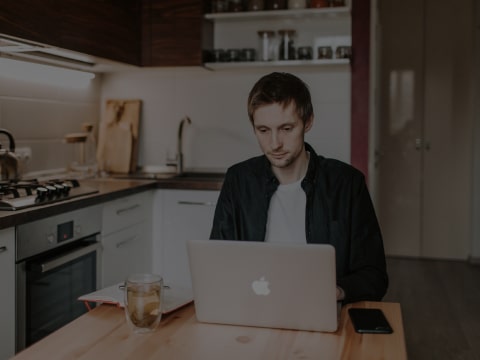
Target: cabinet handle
[
  {"x": 125, "y": 242},
  {"x": 130, "y": 208},
  {"x": 3, "y": 249},
  {"x": 202, "y": 203}
]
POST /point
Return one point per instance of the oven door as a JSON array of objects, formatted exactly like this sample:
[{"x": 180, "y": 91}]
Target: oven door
[{"x": 49, "y": 285}]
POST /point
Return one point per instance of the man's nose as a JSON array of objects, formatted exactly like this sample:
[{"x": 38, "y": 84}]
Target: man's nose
[{"x": 276, "y": 140}]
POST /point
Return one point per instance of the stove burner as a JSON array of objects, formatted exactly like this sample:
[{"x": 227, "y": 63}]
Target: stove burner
[{"x": 18, "y": 194}]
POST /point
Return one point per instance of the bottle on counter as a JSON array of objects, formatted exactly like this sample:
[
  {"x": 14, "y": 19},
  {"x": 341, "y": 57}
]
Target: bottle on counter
[{"x": 90, "y": 148}]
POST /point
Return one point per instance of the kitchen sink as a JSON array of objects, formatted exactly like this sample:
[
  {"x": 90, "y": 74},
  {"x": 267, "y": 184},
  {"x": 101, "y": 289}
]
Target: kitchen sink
[
  {"x": 188, "y": 175},
  {"x": 200, "y": 175}
]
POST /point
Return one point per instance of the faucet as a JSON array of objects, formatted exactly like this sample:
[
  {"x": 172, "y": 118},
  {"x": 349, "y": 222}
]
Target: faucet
[{"x": 179, "y": 144}]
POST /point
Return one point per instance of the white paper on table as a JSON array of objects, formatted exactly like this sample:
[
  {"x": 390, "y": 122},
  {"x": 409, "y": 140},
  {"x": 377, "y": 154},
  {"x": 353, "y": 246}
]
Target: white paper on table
[{"x": 173, "y": 297}]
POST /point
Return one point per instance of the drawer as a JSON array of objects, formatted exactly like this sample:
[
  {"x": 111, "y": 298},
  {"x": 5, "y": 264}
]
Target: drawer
[
  {"x": 125, "y": 252},
  {"x": 127, "y": 211}
]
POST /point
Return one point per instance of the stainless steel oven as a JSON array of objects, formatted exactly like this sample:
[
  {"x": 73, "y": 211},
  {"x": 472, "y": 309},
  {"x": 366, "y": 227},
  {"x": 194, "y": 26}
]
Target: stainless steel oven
[{"x": 57, "y": 260}]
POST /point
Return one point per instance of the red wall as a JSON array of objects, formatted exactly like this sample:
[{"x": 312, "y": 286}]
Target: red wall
[{"x": 360, "y": 84}]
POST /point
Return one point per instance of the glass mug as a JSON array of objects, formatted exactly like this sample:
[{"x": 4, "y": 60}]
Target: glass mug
[{"x": 143, "y": 302}]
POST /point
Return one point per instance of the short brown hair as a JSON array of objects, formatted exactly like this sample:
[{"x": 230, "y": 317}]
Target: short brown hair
[{"x": 281, "y": 88}]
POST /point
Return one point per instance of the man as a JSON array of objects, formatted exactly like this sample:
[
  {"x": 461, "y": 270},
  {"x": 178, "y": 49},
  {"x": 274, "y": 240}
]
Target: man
[{"x": 291, "y": 194}]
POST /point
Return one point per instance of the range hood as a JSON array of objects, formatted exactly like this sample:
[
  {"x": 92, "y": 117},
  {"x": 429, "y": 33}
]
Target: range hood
[{"x": 19, "y": 49}]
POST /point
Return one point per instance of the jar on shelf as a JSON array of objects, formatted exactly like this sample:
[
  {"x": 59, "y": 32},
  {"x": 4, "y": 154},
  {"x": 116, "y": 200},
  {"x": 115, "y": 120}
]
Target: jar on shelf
[
  {"x": 248, "y": 54},
  {"x": 232, "y": 55},
  {"x": 325, "y": 52},
  {"x": 286, "y": 48},
  {"x": 235, "y": 5},
  {"x": 219, "y": 6},
  {"x": 305, "y": 53},
  {"x": 343, "y": 52},
  {"x": 337, "y": 2},
  {"x": 266, "y": 44},
  {"x": 276, "y": 4},
  {"x": 256, "y": 5},
  {"x": 297, "y": 4},
  {"x": 319, "y": 3}
]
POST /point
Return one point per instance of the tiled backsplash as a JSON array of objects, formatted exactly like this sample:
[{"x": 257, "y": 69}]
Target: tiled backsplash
[{"x": 39, "y": 115}]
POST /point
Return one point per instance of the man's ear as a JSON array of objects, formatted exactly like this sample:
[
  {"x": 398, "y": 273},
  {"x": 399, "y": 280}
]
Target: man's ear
[{"x": 309, "y": 124}]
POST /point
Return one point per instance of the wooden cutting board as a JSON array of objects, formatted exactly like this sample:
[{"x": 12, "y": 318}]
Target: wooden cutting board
[{"x": 118, "y": 136}]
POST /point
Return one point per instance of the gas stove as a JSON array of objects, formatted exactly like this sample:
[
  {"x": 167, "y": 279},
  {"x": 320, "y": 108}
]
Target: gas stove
[{"x": 20, "y": 194}]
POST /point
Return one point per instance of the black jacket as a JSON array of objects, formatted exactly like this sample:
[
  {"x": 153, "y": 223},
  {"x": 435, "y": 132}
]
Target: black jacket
[{"x": 339, "y": 212}]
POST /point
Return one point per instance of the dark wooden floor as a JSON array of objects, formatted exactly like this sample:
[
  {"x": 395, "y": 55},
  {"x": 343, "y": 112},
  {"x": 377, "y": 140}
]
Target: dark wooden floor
[{"x": 440, "y": 303}]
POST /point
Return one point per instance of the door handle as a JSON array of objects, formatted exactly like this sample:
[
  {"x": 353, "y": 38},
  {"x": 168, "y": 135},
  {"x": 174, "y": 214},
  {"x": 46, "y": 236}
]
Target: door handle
[
  {"x": 420, "y": 144},
  {"x": 130, "y": 208},
  {"x": 125, "y": 242}
]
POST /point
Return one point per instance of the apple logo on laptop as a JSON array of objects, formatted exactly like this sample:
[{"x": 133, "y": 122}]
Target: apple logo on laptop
[{"x": 260, "y": 287}]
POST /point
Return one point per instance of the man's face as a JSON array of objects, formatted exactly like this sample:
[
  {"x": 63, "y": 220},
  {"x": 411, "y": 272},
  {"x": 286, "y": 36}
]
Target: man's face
[{"x": 280, "y": 133}]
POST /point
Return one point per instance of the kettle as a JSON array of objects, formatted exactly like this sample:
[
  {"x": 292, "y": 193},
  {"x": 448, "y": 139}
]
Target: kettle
[{"x": 8, "y": 159}]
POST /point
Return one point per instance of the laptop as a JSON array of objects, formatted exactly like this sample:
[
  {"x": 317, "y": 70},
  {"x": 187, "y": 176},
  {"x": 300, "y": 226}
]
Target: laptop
[{"x": 286, "y": 286}]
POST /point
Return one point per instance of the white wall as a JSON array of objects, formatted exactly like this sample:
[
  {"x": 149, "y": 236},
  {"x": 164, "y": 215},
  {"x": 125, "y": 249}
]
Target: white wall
[
  {"x": 39, "y": 114},
  {"x": 220, "y": 133}
]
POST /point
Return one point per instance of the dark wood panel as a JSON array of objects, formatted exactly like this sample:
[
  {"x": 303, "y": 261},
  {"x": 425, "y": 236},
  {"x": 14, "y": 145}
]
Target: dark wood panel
[
  {"x": 186, "y": 47},
  {"x": 104, "y": 28},
  {"x": 177, "y": 8},
  {"x": 31, "y": 20},
  {"x": 177, "y": 33}
]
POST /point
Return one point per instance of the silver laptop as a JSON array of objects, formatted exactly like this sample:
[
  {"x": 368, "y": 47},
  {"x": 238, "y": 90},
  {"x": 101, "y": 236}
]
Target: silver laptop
[{"x": 284, "y": 286}]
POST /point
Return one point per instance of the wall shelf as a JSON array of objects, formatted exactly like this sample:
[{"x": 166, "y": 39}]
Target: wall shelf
[
  {"x": 283, "y": 63},
  {"x": 341, "y": 11},
  {"x": 329, "y": 26}
]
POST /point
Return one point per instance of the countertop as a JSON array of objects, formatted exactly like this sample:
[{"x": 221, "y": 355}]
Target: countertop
[
  {"x": 109, "y": 188},
  {"x": 103, "y": 333}
]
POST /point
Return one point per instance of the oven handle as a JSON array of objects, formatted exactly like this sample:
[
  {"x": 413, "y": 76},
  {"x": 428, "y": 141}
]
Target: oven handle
[{"x": 55, "y": 263}]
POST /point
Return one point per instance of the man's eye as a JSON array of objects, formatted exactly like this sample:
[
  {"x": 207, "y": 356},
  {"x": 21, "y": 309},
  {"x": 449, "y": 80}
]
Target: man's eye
[
  {"x": 288, "y": 128},
  {"x": 262, "y": 130}
]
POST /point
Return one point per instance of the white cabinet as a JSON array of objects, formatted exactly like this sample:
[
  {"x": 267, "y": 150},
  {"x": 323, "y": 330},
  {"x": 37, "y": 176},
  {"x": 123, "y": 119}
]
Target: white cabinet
[
  {"x": 185, "y": 215},
  {"x": 126, "y": 237},
  {"x": 7, "y": 295},
  {"x": 313, "y": 27}
]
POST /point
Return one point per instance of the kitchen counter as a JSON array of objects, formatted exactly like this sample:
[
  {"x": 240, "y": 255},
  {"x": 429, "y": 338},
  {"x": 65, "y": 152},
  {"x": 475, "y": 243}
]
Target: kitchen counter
[
  {"x": 103, "y": 333},
  {"x": 110, "y": 189}
]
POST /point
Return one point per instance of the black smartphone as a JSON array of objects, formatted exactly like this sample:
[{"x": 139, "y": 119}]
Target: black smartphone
[{"x": 369, "y": 321}]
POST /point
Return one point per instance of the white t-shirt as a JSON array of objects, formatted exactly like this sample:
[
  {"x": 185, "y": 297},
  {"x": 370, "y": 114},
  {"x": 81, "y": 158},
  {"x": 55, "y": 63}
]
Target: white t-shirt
[{"x": 286, "y": 215}]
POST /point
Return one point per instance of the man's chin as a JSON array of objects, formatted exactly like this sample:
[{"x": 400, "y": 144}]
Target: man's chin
[{"x": 279, "y": 163}]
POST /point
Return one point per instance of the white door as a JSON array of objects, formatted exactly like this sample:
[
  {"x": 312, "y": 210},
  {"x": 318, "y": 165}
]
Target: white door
[{"x": 423, "y": 167}]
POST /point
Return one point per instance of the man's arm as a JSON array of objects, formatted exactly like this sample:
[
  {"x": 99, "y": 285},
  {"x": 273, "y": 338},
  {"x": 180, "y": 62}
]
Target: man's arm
[
  {"x": 223, "y": 222},
  {"x": 366, "y": 278}
]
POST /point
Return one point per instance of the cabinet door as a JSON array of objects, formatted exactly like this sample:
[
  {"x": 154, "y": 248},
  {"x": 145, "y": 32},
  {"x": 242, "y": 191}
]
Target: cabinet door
[
  {"x": 125, "y": 252},
  {"x": 7, "y": 295},
  {"x": 104, "y": 28},
  {"x": 187, "y": 215},
  {"x": 174, "y": 33},
  {"x": 424, "y": 171},
  {"x": 31, "y": 20},
  {"x": 127, "y": 211}
]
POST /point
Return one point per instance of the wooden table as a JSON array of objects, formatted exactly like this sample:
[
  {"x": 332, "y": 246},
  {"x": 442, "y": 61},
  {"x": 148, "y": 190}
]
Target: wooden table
[{"x": 103, "y": 334}]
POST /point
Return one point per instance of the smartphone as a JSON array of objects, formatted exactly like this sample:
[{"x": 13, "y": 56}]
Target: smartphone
[{"x": 369, "y": 321}]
